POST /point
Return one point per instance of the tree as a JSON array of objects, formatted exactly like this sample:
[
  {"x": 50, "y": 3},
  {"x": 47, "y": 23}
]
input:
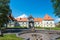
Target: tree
[
  {"x": 56, "y": 5},
  {"x": 5, "y": 11},
  {"x": 58, "y": 24}
]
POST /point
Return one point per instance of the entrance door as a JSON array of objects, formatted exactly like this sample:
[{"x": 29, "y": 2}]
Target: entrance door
[{"x": 31, "y": 24}]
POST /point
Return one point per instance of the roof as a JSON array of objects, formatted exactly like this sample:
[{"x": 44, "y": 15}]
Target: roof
[
  {"x": 47, "y": 17},
  {"x": 11, "y": 17},
  {"x": 26, "y": 19},
  {"x": 21, "y": 19},
  {"x": 38, "y": 19},
  {"x": 30, "y": 17}
]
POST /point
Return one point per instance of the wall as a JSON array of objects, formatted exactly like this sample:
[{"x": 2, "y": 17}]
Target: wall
[
  {"x": 36, "y": 24},
  {"x": 48, "y": 23}
]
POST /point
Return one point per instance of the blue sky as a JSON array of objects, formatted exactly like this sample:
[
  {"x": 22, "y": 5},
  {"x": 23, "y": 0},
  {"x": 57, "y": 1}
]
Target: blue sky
[{"x": 36, "y": 8}]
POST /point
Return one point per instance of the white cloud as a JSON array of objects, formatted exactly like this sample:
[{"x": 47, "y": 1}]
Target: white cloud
[
  {"x": 58, "y": 19},
  {"x": 22, "y": 16}
]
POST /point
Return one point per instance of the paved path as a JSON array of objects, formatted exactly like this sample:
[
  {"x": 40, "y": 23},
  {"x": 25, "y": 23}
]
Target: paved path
[
  {"x": 29, "y": 35},
  {"x": 46, "y": 34},
  {"x": 40, "y": 35}
]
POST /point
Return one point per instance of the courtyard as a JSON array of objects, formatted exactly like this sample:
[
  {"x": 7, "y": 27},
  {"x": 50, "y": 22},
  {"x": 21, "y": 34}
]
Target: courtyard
[
  {"x": 37, "y": 21},
  {"x": 25, "y": 34}
]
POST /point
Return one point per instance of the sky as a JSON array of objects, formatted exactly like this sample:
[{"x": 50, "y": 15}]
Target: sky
[{"x": 36, "y": 8}]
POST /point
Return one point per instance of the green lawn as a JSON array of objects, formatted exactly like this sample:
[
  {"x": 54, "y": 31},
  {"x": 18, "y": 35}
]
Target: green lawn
[
  {"x": 56, "y": 28},
  {"x": 17, "y": 27},
  {"x": 58, "y": 39},
  {"x": 10, "y": 37}
]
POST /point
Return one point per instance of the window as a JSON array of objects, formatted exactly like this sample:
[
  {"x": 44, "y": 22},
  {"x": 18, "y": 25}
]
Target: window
[
  {"x": 51, "y": 25},
  {"x": 47, "y": 25},
  {"x": 47, "y": 22},
  {"x": 48, "y": 17},
  {"x": 24, "y": 22},
  {"x": 50, "y": 22},
  {"x": 20, "y": 18},
  {"x": 38, "y": 22}
]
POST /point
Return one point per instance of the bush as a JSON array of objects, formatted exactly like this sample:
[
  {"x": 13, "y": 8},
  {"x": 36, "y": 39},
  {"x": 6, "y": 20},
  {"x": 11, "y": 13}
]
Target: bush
[{"x": 58, "y": 25}]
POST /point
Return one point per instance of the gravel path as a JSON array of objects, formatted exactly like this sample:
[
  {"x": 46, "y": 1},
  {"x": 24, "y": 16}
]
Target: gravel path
[{"x": 45, "y": 35}]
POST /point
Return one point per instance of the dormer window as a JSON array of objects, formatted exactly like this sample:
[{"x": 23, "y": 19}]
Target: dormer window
[
  {"x": 48, "y": 17},
  {"x": 20, "y": 18}
]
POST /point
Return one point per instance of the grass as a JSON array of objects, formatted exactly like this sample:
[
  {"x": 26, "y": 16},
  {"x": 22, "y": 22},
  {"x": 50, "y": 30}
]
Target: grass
[
  {"x": 10, "y": 37},
  {"x": 17, "y": 27},
  {"x": 58, "y": 39},
  {"x": 55, "y": 28}
]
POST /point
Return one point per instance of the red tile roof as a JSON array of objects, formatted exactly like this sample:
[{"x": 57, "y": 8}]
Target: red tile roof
[
  {"x": 38, "y": 19},
  {"x": 25, "y": 19},
  {"x": 11, "y": 17},
  {"x": 47, "y": 17},
  {"x": 21, "y": 19}
]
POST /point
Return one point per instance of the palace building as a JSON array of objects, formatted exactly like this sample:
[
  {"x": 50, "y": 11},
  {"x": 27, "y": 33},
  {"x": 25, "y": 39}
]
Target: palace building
[{"x": 47, "y": 21}]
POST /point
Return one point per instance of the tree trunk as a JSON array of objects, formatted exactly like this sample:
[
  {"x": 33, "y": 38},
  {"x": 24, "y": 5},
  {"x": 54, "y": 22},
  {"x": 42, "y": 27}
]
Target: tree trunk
[
  {"x": 1, "y": 32},
  {"x": 6, "y": 25}
]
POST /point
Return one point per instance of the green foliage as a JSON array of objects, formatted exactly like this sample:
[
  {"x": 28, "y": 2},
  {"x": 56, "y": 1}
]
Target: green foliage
[
  {"x": 5, "y": 11},
  {"x": 17, "y": 27},
  {"x": 10, "y": 37},
  {"x": 58, "y": 39},
  {"x": 56, "y": 5},
  {"x": 58, "y": 25},
  {"x": 56, "y": 28},
  {"x": 47, "y": 28}
]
